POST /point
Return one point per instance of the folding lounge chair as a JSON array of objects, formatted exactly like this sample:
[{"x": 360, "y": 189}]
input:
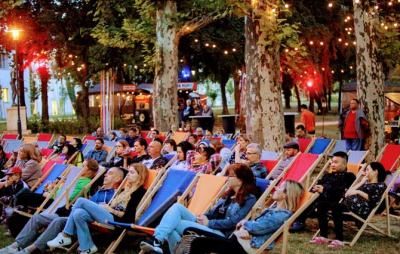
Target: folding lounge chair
[
  {"x": 339, "y": 146},
  {"x": 54, "y": 170},
  {"x": 110, "y": 152},
  {"x": 12, "y": 145},
  {"x": 172, "y": 183},
  {"x": 145, "y": 134},
  {"x": 179, "y": 136},
  {"x": 46, "y": 152},
  {"x": 229, "y": 143},
  {"x": 321, "y": 146},
  {"x": 44, "y": 137},
  {"x": 43, "y": 144},
  {"x": 89, "y": 146},
  {"x": 357, "y": 156},
  {"x": 367, "y": 222},
  {"x": 270, "y": 165},
  {"x": 109, "y": 143},
  {"x": 8, "y": 136},
  {"x": 305, "y": 144},
  {"x": 283, "y": 232},
  {"x": 86, "y": 138},
  {"x": 389, "y": 157},
  {"x": 28, "y": 140}
]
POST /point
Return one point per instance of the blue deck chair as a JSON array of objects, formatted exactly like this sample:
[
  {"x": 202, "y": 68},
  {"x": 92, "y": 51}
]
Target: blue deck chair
[
  {"x": 262, "y": 184},
  {"x": 340, "y": 146},
  {"x": 51, "y": 176},
  {"x": 12, "y": 145},
  {"x": 228, "y": 142},
  {"x": 357, "y": 156},
  {"x": 43, "y": 144},
  {"x": 168, "y": 156},
  {"x": 82, "y": 149},
  {"x": 174, "y": 184},
  {"x": 109, "y": 143},
  {"x": 269, "y": 156},
  {"x": 117, "y": 132},
  {"x": 89, "y": 147},
  {"x": 320, "y": 146}
]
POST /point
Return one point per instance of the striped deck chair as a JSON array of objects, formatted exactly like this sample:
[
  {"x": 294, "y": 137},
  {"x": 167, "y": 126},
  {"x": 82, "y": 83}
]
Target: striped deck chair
[
  {"x": 305, "y": 144},
  {"x": 172, "y": 184},
  {"x": 357, "y": 156},
  {"x": 86, "y": 138},
  {"x": 339, "y": 146},
  {"x": 282, "y": 234},
  {"x": 267, "y": 155},
  {"x": 29, "y": 139},
  {"x": 44, "y": 137},
  {"x": 367, "y": 222},
  {"x": 12, "y": 145},
  {"x": 389, "y": 157},
  {"x": 55, "y": 170},
  {"x": 321, "y": 146}
]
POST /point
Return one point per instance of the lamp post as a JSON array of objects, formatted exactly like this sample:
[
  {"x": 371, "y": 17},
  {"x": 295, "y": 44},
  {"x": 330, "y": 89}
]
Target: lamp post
[{"x": 15, "y": 35}]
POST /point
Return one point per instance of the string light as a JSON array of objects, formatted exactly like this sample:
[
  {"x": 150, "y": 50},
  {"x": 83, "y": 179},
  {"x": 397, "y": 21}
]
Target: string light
[
  {"x": 207, "y": 44},
  {"x": 311, "y": 42},
  {"x": 330, "y": 5},
  {"x": 287, "y": 6},
  {"x": 226, "y": 52},
  {"x": 196, "y": 40},
  {"x": 234, "y": 50}
]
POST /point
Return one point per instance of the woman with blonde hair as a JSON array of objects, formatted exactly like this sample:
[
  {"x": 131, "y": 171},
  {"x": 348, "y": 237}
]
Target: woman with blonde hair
[
  {"x": 28, "y": 160},
  {"x": 121, "y": 209},
  {"x": 253, "y": 233},
  {"x": 239, "y": 153}
]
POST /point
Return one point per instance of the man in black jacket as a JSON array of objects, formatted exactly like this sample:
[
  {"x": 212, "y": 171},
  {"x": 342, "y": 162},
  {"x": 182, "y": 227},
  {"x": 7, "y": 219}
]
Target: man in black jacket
[{"x": 331, "y": 188}]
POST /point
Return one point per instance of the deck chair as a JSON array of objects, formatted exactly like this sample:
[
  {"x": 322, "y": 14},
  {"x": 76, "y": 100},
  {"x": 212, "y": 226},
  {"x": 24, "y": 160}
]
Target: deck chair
[
  {"x": 29, "y": 139},
  {"x": 321, "y": 146},
  {"x": 43, "y": 144},
  {"x": 339, "y": 146},
  {"x": 46, "y": 152},
  {"x": 89, "y": 146},
  {"x": 389, "y": 157},
  {"x": 301, "y": 168},
  {"x": 83, "y": 147},
  {"x": 145, "y": 134},
  {"x": 228, "y": 142},
  {"x": 12, "y": 145},
  {"x": 44, "y": 137},
  {"x": 86, "y": 138},
  {"x": 109, "y": 143},
  {"x": 305, "y": 144},
  {"x": 110, "y": 152},
  {"x": 282, "y": 234},
  {"x": 168, "y": 156},
  {"x": 172, "y": 183},
  {"x": 54, "y": 170},
  {"x": 270, "y": 165},
  {"x": 179, "y": 136},
  {"x": 8, "y": 136},
  {"x": 367, "y": 222},
  {"x": 357, "y": 156},
  {"x": 267, "y": 155}
]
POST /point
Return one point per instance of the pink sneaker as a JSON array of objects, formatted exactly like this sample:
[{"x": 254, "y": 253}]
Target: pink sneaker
[
  {"x": 319, "y": 240},
  {"x": 336, "y": 244}
]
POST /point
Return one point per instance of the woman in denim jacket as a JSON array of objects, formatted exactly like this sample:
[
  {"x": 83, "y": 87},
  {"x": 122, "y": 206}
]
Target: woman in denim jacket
[
  {"x": 221, "y": 220},
  {"x": 253, "y": 233}
]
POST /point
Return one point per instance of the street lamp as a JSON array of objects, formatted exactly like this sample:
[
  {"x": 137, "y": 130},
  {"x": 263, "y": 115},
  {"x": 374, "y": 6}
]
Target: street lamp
[{"x": 15, "y": 35}]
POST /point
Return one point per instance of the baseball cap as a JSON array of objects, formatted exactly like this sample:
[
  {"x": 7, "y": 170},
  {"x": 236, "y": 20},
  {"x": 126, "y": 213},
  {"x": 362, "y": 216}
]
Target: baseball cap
[
  {"x": 293, "y": 145},
  {"x": 14, "y": 170}
]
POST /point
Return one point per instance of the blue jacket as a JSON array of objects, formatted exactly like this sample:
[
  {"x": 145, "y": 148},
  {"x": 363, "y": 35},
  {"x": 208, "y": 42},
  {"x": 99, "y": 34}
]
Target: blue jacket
[
  {"x": 98, "y": 156},
  {"x": 234, "y": 214},
  {"x": 265, "y": 225},
  {"x": 103, "y": 195}
]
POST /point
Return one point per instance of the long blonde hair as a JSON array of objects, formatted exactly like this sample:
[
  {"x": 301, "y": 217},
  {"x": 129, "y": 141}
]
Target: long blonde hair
[
  {"x": 294, "y": 191},
  {"x": 125, "y": 196},
  {"x": 31, "y": 152}
]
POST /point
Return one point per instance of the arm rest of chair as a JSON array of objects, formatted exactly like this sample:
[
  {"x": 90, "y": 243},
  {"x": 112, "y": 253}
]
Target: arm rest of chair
[
  {"x": 133, "y": 226},
  {"x": 23, "y": 213},
  {"x": 103, "y": 225}
]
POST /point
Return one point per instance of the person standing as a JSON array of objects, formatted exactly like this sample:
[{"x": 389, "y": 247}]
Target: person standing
[
  {"x": 187, "y": 112},
  {"x": 207, "y": 111},
  {"x": 308, "y": 119},
  {"x": 354, "y": 126}
]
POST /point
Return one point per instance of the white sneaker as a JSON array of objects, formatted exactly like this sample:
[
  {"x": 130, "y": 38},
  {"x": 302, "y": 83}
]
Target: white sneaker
[
  {"x": 89, "y": 251},
  {"x": 9, "y": 249},
  {"x": 59, "y": 241}
]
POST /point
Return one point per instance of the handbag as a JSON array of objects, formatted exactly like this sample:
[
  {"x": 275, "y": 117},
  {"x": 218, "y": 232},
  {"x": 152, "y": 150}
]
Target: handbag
[{"x": 183, "y": 246}]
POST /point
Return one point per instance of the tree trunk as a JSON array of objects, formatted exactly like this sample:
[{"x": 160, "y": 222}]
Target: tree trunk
[
  {"x": 263, "y": 100},
  {"x": 21, "y": 84},
  {"x": 370, "y": 77},
  {"x": 165, "y": 98},
  {"x": 224, "y": 79},
  {"x": 296, "y": 91}
]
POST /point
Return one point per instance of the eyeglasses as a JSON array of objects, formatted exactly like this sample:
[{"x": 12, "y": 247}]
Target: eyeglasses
[
  {"x": 251, "y": 153},
  {"x": 118, "y": 146}
]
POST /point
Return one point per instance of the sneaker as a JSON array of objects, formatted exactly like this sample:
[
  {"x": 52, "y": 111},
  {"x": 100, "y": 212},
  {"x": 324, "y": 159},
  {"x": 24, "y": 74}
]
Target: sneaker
[
  {"x": 152, "y": 245},
  {"x": 59, "y": 241},
  {"x": 319, "y": 240},
  {"x": 336, "y": 244},
  {"x": 297, "y": 227},
  {"x": 89, "y": 251},
  {"x": 9, "y": 249},
  {"x": 24, "y": 251}
]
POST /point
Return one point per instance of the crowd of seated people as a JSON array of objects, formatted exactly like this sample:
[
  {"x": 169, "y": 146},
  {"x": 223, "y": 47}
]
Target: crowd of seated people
[{"x": 223, "y": 226}]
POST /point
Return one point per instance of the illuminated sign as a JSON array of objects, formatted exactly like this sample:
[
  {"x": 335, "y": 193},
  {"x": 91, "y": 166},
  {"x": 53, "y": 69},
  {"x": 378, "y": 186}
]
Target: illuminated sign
[
  {"x": 187, "y": 85},
  {"x": 129, "y": 87}
]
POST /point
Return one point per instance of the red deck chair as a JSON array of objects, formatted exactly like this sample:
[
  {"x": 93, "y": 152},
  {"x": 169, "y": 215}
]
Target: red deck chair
[
  {"x": 304, "y": 144},
  {"x": 8, "y": 155},
  {"x": 47, "y": 166},
  {"x": 145, "y": 134},
  {"x": 132, "y": 154},
  {"x": 46, "y": 152},
  {"x": 44, "y": 137},
  {"x": 162, "y": 138},
  {"x": 148, "y": 140},
  {"x": 269, "y": 164},
  {"x": 389, "y": 157},
  {"x": 86, "y": 138},
  {"x": 216, "y": 138},
  {"x": 8, "y": 136}
]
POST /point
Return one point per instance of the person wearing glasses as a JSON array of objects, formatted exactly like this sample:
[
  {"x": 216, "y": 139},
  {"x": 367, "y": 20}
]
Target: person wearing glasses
[
  {"x": 221, "y": 219},
  {"x": 253, "y": 156},
  {"x": 120, "y": 156}
]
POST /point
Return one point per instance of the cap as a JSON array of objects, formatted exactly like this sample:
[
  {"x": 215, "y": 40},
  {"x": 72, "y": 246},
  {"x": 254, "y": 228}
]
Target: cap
[
  {"x": 14, "y": 170},
  {"x": 293, "y": 145}
]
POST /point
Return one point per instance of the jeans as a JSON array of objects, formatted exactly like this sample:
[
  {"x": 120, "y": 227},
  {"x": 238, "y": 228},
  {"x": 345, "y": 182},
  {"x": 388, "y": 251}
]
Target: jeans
[
  {"x": 54, "y": 225},
  {"x": 174, "y": 222},
  {"x": 353, "y": 144},
  {"x": 84, "y": 212}
]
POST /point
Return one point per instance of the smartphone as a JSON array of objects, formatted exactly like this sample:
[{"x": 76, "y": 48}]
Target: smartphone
[{"x": 15, "y": 153}]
